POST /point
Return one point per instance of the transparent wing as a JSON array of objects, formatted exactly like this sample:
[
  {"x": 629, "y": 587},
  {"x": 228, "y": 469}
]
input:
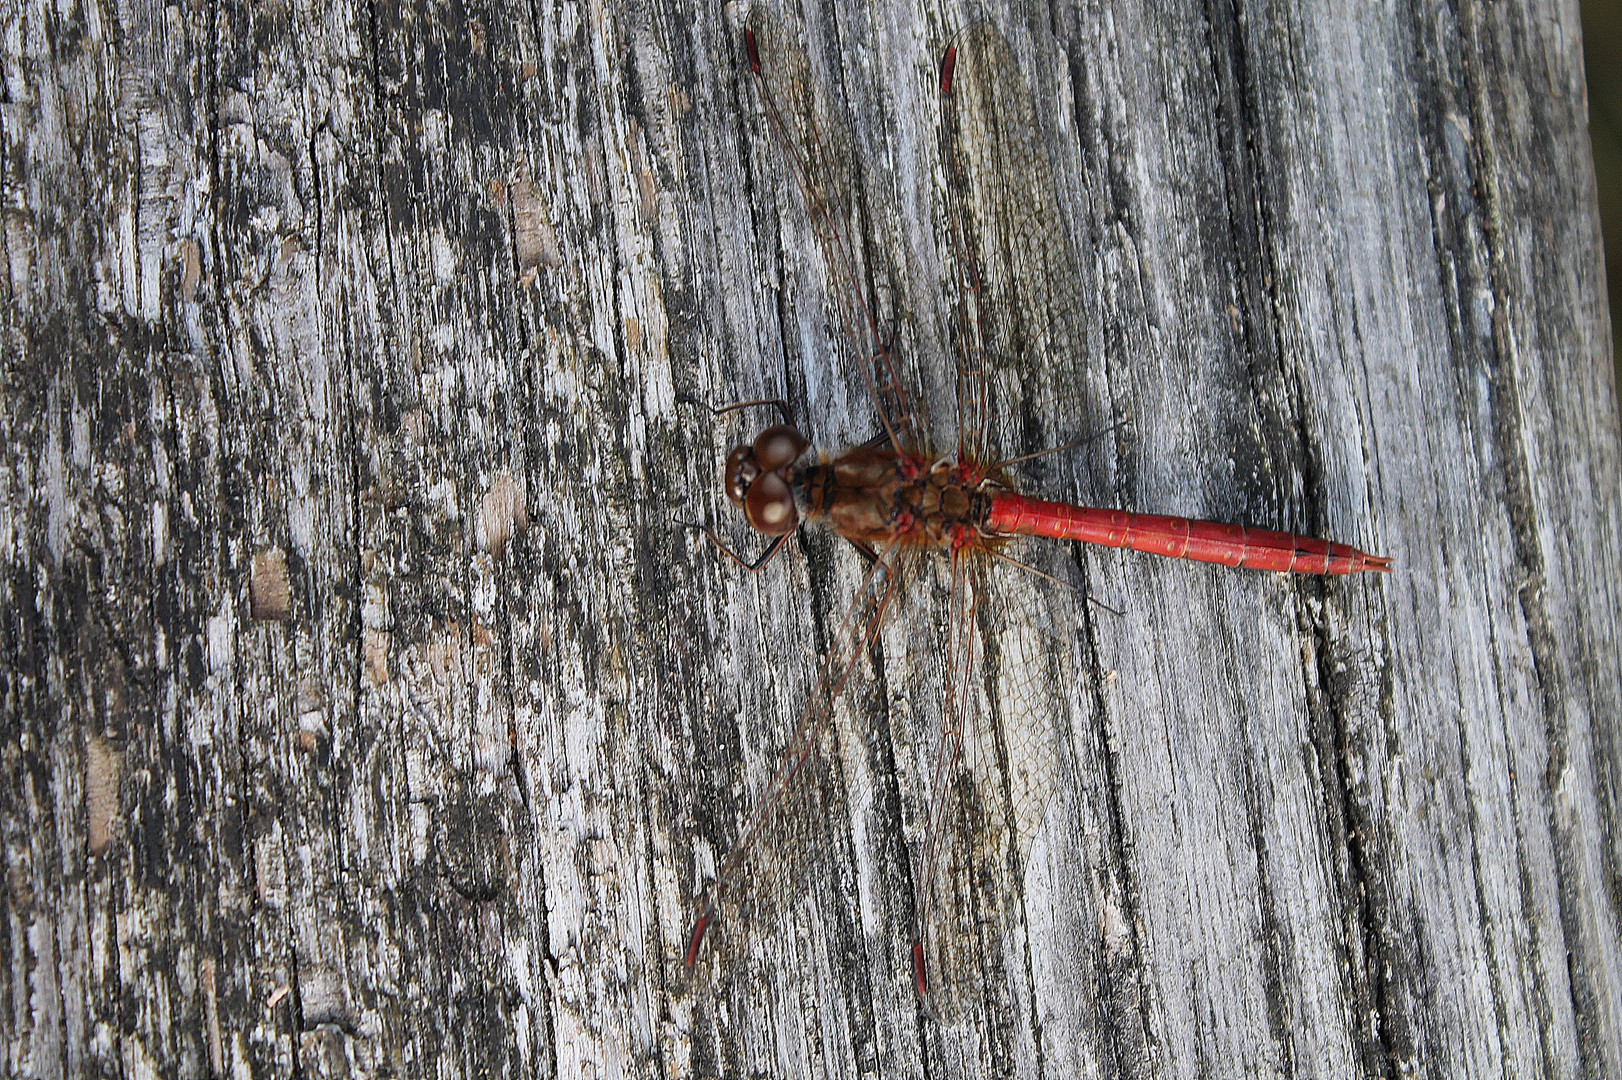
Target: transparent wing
[
  {"x": 969, "y": 328},
  {"x": 1018, "y": 301},
  {"x": 996, "y": 764},
  {"x": 1030, "y": 687},
  {"x": 1018, "y": 287},
  {"x": 820, "y": 156},
  {"x": 957, "y": 709},
  {"x": 783, "y": 824}
]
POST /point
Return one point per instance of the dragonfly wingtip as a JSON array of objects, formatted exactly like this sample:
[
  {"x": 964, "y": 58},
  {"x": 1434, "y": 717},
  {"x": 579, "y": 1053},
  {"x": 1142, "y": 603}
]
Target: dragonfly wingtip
[
  {"x": 696, "y": 939},
  {"x": 754, "y": 50}
]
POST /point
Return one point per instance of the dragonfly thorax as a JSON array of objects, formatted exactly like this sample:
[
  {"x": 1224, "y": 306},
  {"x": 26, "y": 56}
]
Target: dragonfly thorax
[{"x": 874, "y": 495}]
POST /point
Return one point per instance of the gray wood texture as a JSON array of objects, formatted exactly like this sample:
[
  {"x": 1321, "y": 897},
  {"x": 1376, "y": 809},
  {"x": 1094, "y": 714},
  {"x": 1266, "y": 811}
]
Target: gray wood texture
[{"x": 365, "y": 714}]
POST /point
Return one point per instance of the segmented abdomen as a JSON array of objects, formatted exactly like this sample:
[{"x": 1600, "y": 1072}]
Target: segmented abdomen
[{"x": 1178, "y": 538}]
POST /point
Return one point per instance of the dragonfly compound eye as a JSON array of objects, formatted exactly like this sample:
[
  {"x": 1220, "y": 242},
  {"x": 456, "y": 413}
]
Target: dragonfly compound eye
[
  {"x": 778, "y": 446},
  {"x": 770, "y": 507},
  {"x": 740, "y": 473}
]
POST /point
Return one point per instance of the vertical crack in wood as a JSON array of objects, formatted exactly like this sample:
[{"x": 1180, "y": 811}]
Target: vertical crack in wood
[
  {"x": 1260, "y": 293},
  {"x": 1482, "y": 40},
  {"x": 1126, "y": 988},
  {"x": 1365, "y": 891}
]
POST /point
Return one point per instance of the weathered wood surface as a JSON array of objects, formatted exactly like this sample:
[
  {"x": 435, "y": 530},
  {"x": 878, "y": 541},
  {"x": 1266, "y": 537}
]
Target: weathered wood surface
[{"x": 317, "y": 761}]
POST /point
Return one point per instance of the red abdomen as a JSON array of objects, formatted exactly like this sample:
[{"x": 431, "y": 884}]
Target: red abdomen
[{"x": 1178, "y": 538}]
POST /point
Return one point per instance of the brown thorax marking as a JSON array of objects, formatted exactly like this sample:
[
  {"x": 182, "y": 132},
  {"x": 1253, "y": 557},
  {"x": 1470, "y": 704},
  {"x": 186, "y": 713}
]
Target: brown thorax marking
[{"x": 872, "y": 496}]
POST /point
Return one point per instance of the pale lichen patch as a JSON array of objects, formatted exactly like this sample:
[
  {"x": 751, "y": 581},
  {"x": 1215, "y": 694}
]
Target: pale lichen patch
[{"x": 222, "y": 629}]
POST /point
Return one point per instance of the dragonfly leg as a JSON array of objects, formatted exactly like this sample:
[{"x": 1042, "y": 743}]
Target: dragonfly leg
[
  {"x": 1028, "y": 568},
  {"x": 1089, "y": 440},
  {"x": 1096, "y": 602},
  {"x": 752, "y": 567},
  {"x": 867, "y": 551},
  {"x": 777, "y": 403}
]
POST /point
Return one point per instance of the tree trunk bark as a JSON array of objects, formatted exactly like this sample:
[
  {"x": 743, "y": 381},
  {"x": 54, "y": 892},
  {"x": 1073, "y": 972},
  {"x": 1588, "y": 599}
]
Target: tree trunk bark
[{"x": 366, "y": 712}]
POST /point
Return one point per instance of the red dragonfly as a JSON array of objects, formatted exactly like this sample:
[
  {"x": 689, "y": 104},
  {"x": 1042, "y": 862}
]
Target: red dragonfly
[{"x": 895, "y": 499}]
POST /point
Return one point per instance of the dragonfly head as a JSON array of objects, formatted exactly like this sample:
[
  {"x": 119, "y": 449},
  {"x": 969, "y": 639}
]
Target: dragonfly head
[{"x": 758, "y": 479}]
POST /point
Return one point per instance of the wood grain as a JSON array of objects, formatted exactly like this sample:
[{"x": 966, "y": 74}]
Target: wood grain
[{"x": 366, "y": 714}]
